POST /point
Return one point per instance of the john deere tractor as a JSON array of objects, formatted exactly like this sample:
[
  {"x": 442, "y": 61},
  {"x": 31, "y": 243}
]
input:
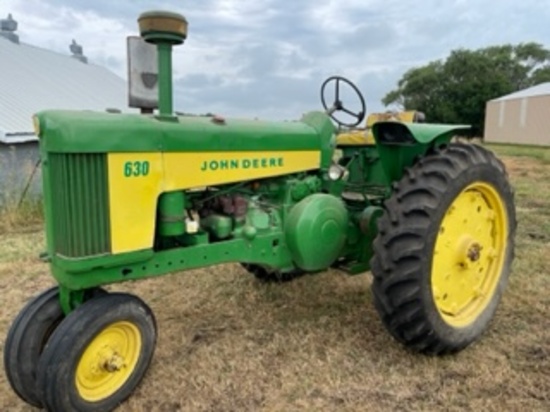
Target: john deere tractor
[{"x": 134, "y": 196}]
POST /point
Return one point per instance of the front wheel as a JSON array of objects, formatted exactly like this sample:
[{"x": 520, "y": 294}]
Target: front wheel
[
  {"x": 444, "y": 249},
  {"x": 98, "y": 355},
  {"x": 25, "y": 342},
  {"x": 27, "y": 337}
]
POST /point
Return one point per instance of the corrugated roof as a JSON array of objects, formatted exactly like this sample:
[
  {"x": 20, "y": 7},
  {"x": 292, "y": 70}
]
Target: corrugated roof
[
  {"x": 34, "y": 79},
  {"x": 15, "y": 138},
  {"x": 538, "y": 90}
]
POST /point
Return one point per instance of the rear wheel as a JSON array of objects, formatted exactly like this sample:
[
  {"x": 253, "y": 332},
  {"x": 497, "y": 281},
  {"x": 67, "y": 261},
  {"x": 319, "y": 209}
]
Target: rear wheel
[
  {"x": 444, "y": 249},
  {"x": 98, "y": 354}
]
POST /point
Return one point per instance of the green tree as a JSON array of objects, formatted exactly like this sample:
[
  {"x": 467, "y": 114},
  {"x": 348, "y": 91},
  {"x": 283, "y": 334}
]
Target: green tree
[{"x": 455, "y": 90}]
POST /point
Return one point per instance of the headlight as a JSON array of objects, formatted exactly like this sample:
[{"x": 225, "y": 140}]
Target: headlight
[
  {"x": 36, "y": 125},
  {"x": 336, "y": 172}
]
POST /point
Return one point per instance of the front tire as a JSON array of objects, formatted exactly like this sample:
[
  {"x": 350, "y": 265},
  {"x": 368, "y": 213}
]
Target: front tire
[
  {"x": 98, "y": 355},
  {"x": 25, "y": 342},
  {"x": 27, "y": 337},
  {"x": 444, "y": 249}
]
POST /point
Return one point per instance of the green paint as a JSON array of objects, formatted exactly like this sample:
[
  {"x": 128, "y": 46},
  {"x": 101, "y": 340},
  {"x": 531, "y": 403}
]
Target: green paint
[
  {"x": 418, "y": 139},
  {"x": 70, "y": 299},
  {"x": 426, "y": 133},
  {"x": 77, "y": 204},
  {"x": 86, "y": 264},
  {"x": 361, "y": 232},
  {"x": 172, "y": 214},
  {"x": 364, "y": 166},
  {"x": 322, "y": 124},
  {"x": 90, "y": 132},
  {"x": 178, "y": 259},
  {"x": 258, "y": 218},
  {"x": 316, "y": 231},
  {"x": 165, "y": 79},
  {"x": 218, "y": 225}
]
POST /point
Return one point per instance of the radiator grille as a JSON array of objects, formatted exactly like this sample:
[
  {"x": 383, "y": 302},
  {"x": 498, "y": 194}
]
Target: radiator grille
[{"x": 80, "y": 204}]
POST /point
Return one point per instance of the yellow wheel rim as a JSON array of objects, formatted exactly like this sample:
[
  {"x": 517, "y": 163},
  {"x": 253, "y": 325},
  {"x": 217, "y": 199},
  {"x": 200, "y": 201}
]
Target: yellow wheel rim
[
  {"x": 469, "y": 254},
  {"x": 108, "y": 361}
]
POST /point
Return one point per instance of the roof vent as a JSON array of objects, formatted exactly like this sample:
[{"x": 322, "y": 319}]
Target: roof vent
[
  {"x": 7, "y": 29},
  {"x": 76, "y": 50}
]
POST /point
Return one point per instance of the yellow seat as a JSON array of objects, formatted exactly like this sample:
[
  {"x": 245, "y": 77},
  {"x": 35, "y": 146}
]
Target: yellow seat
[
  {"x": 355, "y": 138},
  {"x": 364, "y": 137}
]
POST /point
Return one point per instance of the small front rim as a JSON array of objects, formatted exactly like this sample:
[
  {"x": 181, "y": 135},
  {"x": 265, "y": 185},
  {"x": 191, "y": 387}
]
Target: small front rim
[
  {"x": 469, "y": 254},
  {"x": 108, "y": 361}
]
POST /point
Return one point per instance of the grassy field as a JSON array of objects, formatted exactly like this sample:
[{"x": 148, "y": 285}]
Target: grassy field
[
  {"x": 20, "y": 204},
  {"x": 230, "y": 343}
]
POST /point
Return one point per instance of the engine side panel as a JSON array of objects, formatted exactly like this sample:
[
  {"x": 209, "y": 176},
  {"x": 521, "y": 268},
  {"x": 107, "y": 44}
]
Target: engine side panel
[{"x": 136, "y": 180}]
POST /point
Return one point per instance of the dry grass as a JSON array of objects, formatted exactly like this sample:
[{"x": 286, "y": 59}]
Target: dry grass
[
  {"x": 20, "y": 206},
  {"x": 230, "y": 343}
]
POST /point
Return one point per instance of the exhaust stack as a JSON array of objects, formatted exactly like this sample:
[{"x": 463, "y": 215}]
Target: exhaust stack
[{"x": 165, "y": 29}]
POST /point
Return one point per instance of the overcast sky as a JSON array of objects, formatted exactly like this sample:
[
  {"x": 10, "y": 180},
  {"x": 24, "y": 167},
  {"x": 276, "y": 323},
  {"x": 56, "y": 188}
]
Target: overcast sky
[{"x": 268, "y": 58}]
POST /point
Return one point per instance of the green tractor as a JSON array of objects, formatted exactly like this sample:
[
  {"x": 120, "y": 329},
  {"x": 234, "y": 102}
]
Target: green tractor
[{"x": 134, "y": 196}]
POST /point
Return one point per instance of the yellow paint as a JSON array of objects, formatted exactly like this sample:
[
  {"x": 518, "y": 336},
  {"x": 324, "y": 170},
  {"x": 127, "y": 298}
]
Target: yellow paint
[
  {"x": 133, "y": 199},
  {"x": 355, "y": 138},
  {"x": 186, "y": 170},
  {"x": 469, "y": 254},
  {"x": 362, "y": 137},
  {"x": 108, "y": 361},
  {"x": 36, "y": 125}
]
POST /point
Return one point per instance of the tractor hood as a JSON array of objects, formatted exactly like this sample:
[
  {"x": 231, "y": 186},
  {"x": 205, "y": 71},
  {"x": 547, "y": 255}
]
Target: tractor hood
[{"x": 86, "y": 132}]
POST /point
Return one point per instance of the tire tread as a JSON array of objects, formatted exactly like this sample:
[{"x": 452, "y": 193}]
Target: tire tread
[{"x": 399, "y": 249}]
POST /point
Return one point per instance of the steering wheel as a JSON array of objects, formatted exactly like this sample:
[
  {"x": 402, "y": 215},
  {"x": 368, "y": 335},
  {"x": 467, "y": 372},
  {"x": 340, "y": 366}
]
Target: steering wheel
[{"x": 338, "y": 106}]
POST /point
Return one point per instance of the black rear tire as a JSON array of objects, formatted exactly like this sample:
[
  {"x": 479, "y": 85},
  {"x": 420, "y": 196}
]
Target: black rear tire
[{"x": 407, "y": 282}]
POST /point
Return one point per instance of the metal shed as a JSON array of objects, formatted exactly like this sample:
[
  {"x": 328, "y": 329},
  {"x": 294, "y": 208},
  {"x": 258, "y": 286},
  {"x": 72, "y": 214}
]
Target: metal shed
[
  {"x": 522, "y": 117},
  {"x": 34, "y": 79}
]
